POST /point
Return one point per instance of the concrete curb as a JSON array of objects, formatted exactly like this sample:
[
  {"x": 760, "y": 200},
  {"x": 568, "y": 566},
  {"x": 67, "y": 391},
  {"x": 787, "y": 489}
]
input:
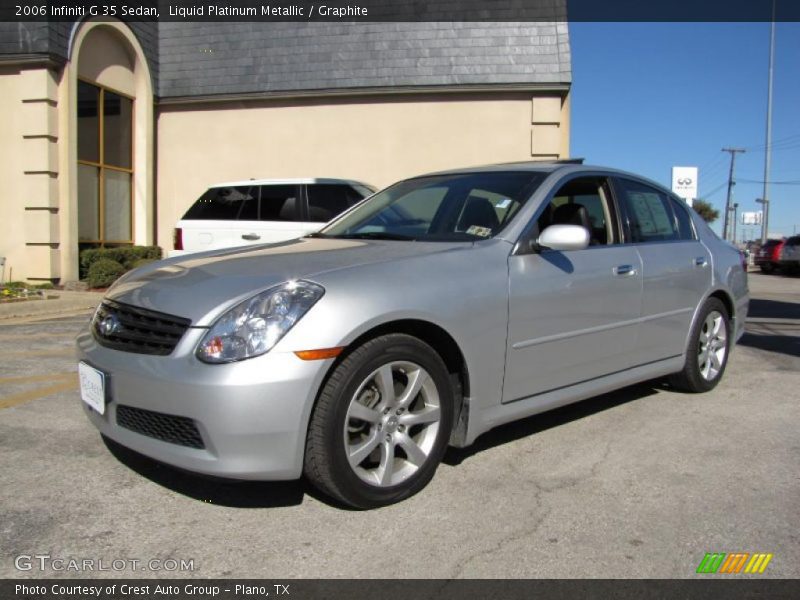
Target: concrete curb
[{"x": 67, "y": 302}]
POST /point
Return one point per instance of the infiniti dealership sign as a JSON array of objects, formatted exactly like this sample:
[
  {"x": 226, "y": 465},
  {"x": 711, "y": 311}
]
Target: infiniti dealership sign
[{"x": 684, "y": 183}]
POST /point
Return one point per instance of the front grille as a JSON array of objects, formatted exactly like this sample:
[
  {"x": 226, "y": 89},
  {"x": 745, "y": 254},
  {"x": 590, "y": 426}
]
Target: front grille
[
  {"x": 133, "y": 329},
  {"x": 167, "y": 428}
]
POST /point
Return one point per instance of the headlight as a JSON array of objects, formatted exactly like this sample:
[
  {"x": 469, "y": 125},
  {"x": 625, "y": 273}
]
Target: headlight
[{"x": 254, "y": 326}]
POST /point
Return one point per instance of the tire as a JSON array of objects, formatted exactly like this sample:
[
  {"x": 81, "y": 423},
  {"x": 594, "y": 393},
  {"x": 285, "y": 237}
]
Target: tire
[
  {"x": 705, "y": 365},
  {"x": 370, "y": 444},
  {"x": 767, "y": 268}
]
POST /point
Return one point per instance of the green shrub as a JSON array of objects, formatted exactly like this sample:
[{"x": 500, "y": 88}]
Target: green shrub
[
  {"x": 47, "y": 285},
  {"x": 142, "y": 262},
  {"x": 124, "y": 255},
  {"x": 103, "y": 272}
]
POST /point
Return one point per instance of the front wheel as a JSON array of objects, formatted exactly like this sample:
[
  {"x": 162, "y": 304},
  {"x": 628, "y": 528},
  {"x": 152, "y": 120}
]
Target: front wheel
[
  {"x": 381, "y": 423},
  {"x": 709, "y": 347}
]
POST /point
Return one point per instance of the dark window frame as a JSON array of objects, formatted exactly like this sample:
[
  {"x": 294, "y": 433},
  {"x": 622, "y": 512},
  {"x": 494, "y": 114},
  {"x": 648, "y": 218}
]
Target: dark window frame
[{"x": 102, "y": 167}]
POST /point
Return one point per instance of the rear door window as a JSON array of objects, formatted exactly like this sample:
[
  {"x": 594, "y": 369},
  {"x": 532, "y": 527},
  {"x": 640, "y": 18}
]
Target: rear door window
[
  {"x": 649, "y": 212},
  {"x": 279, "y": 203},
  {"x": 326, "y": 201}
]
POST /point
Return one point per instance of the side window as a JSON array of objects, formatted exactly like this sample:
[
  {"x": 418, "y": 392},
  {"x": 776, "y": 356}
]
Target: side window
[
  {"x": 582, "y": 202},
  {"x": 225, "y": 204},
  {"x": 685, "y": 229},
  {"x": 649, "y": 211},
  {"x": 249, "y": 204},
  {"x": 279, "y": 203},
  {"x": 326, "y": 201}
]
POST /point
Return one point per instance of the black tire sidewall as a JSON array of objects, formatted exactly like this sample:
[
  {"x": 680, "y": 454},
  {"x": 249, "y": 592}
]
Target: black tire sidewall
[{"x": 381, "y": 351}]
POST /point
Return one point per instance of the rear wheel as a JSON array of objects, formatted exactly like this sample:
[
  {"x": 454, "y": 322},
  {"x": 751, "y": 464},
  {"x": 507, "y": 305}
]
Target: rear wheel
[
  {"x": 381, "y": 424},
  {"x": 767, "y": 268},
  {"x": 707, "y": 354}
]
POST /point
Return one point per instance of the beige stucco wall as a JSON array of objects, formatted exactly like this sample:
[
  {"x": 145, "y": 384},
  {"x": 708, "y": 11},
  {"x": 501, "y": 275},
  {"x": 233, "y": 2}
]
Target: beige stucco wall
[
  {"x": 29, "y": 237},
  {"x": 375, "y": 139},
  {"x": 12, "y": 236},
  {"x": 38, "y": 150}
]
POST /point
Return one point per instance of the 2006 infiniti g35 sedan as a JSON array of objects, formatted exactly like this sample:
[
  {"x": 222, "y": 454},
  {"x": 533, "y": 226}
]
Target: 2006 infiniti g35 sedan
[{"x": 431, "y": 312}]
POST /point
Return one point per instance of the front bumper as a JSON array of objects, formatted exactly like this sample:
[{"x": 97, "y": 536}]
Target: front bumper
[{"x": 252, "y": 415}]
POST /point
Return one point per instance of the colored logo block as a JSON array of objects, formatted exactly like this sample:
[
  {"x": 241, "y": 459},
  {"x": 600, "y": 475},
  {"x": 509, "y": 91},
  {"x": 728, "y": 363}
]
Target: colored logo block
[{"x": 734, "y": 563}]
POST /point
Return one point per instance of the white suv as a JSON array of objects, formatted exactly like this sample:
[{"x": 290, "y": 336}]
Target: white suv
[{"x": 263, "y": 211}]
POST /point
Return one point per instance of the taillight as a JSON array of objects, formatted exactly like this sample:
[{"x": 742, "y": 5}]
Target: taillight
[{"x": 177, "y": 239}]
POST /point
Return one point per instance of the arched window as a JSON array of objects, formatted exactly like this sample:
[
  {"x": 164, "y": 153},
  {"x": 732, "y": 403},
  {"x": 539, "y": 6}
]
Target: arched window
[{"x": 105, "y": 166}]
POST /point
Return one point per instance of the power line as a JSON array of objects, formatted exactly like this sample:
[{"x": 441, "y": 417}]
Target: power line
[
  {"x": 714, "y": 191},
  {"x": 794, "y": 182},
  {"x": 789, "y": 140}
]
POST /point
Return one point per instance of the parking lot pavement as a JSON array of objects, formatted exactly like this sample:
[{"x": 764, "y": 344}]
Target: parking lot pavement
[{"x": 637, "y": 483}]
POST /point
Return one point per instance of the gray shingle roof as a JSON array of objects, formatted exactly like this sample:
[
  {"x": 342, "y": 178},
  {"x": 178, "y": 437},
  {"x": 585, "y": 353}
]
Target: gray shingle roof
[
  {"x": 223, "y": 58},
  {"x": 213, "y": 58}
]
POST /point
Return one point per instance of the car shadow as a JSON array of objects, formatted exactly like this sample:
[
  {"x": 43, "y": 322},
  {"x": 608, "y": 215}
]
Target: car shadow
[
  {"x": 778, "y": 343},
  {"x": 773, "y": 309},
  {"x": 781, "y": 336},
  {"x": 233, "y": 493},
  {"x": 214, "y": 490},
  {"x": 537, "y": 423}
]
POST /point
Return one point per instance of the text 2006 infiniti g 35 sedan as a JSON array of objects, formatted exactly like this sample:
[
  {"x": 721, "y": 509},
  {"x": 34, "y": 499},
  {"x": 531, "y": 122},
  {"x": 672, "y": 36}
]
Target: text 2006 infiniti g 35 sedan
[{"x": 435, "y": 310}]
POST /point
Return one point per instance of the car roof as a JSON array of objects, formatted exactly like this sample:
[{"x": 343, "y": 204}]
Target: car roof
[
  {"x": 539, "y": 166},
  {"x": 565, "y": 167},
  {"x": 291, "y": 181}
]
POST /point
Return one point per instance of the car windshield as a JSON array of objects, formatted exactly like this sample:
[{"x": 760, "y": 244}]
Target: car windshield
[{"x": 460, "y": 207}]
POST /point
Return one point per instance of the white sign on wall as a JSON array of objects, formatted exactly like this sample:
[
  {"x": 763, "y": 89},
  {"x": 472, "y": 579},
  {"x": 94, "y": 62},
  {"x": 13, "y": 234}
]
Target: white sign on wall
[
  {"x": 751, "y": 218},
  {"x": 684, "y": 183}
]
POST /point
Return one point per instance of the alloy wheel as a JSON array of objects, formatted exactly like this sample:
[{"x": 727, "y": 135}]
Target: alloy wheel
[
  {"x": 392, "y": 423},
  {"x": 712, "y": 345}
]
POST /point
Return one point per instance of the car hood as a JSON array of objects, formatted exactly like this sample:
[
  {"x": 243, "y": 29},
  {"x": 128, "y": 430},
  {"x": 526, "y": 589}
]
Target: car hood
[{"x": 201, "y": 286}]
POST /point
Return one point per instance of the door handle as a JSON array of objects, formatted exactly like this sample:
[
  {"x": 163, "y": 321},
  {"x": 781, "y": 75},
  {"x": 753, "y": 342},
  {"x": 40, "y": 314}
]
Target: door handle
[
  {"x": 251, "y": 236},
  {"x": 624, "y": 270},
  {"x": 700, "y": 261}
]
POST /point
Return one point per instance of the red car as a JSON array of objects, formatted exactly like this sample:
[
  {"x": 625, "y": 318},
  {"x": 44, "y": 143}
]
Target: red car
[{"x": 768, "y": 256}]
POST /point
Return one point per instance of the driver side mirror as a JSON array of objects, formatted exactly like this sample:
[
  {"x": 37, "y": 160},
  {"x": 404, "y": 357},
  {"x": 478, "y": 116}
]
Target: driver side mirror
[{"x": 563, "y": 237}]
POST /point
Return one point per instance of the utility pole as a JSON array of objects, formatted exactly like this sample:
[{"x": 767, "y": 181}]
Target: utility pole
[
  {"x": 731, "y": 183},
  {"x": 768, "y": 149}
]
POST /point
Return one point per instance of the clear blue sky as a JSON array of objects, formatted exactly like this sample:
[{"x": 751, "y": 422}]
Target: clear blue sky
[{"x": 649, "y": 96}]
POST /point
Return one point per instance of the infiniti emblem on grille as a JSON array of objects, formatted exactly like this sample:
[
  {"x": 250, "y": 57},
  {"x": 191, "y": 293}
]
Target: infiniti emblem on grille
[{"x": 109, "y": 325}]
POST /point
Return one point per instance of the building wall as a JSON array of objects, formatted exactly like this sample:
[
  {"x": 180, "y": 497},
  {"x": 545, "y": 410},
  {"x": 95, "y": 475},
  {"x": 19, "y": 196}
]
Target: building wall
[
  {"x": 38, "y": 150},
  {"x": 29, "y": 237},
  {"x": 376, "y": 139}
]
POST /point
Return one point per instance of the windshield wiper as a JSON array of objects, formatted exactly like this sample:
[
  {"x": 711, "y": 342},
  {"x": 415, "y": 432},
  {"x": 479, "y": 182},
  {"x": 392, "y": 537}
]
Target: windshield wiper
[
  {"x": 316, "y": 234},
  {"x": 376, "y": 235}
]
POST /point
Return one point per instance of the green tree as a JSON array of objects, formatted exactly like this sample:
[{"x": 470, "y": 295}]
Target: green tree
[{"x": 705, "y": 210}]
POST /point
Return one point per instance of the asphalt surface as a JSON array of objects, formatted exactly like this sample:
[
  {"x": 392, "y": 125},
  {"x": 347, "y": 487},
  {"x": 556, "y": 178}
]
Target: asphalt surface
[{"x": 637, "y": 483}]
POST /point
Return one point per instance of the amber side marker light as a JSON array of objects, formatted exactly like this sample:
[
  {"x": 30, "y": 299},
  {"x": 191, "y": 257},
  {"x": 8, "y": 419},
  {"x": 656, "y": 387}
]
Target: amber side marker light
[{"x": 319, "y": 354}]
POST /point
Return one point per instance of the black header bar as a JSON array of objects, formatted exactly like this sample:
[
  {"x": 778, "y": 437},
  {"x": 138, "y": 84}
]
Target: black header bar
[{"x": 400, "y": 10}]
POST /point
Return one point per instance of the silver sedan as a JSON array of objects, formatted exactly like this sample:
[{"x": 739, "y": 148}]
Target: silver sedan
[{"x": 435, "y": 310}]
